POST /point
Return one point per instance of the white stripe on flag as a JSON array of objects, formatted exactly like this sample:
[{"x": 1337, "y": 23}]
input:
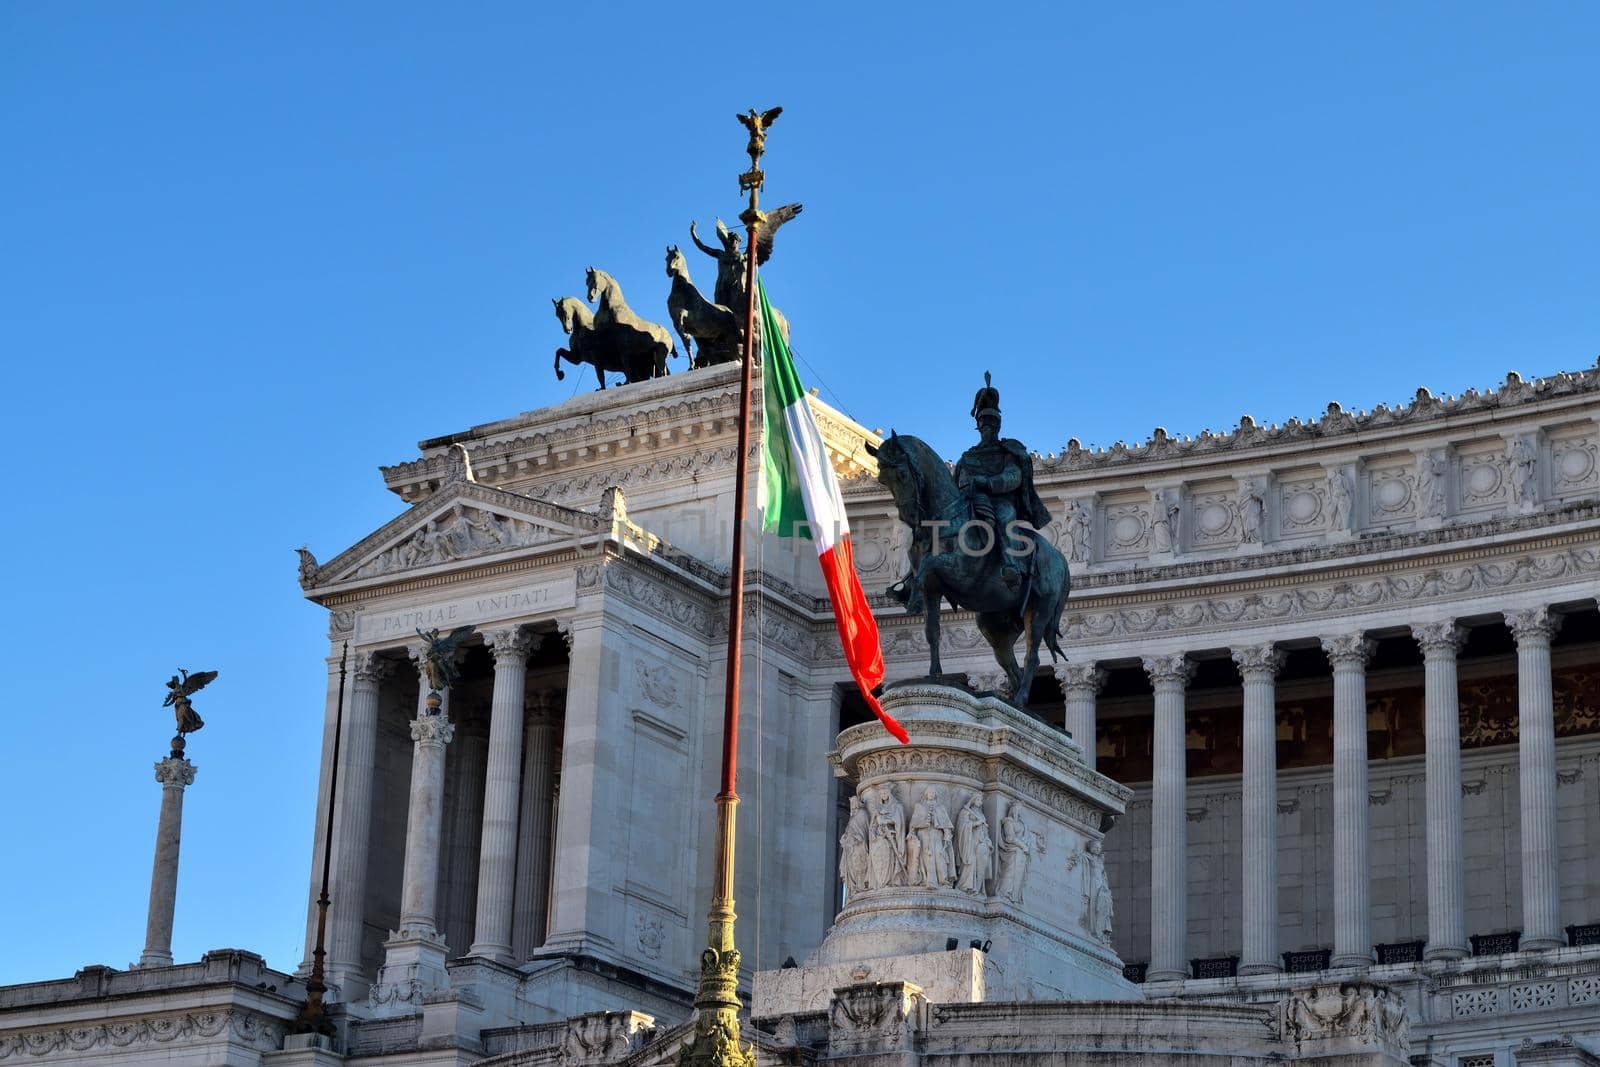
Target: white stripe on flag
[{"x": 818, "y": 487}]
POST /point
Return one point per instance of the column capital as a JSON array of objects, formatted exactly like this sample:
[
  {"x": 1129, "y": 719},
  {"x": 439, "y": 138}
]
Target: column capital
[
  {"x": 372, "y": 668},
  {"x": 173, "y": 771},
  {"x": 1172, "y": 670},
  {"x": 434, "y": 729},
  {"x": 1259, "y": 661},
  {"x": 513, "y": 643},
  {"x": 1349, "y": 650},
  {"x": 1443, "y": 638},
  {"x": 1533, "y": 625},
  {"x": 1087, "y": 679}
]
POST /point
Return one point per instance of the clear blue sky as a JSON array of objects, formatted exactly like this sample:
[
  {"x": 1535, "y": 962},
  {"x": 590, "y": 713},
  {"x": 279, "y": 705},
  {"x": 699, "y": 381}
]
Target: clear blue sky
[{"x": 253, "y": 251}]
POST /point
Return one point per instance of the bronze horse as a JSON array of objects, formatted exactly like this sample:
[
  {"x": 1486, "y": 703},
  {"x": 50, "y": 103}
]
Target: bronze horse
[{"x": 950, "y": 562}]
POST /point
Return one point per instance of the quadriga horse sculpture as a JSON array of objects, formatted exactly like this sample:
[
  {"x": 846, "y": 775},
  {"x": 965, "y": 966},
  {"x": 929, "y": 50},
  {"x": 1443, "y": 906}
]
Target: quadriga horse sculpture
[
  {"x": 633, "y": 334},
  {"x": 697, "y": 319},
  {"x": 925, "y": 493}
]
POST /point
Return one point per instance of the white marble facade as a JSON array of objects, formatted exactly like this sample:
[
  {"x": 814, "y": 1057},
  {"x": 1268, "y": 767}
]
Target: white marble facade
[{"x": 548, "y": 854}]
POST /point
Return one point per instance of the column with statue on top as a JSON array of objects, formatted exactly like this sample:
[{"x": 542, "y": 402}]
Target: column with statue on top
[{"x": 175, "y": 773}]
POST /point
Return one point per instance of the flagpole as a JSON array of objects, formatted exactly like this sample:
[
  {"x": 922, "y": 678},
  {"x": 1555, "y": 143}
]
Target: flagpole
[{"x": 716, "y": 1028}]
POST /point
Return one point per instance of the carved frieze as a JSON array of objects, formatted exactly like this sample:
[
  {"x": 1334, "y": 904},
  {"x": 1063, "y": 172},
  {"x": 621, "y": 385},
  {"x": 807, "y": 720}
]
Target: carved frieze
[
  {"x": 134, "y": 1035},
  {"x": 1310, "y": 601},
  {"x": 462, "y": 532}
]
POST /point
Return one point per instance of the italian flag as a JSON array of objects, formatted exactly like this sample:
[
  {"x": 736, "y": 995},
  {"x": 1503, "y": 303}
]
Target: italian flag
[{"x": 800, "y": 498}]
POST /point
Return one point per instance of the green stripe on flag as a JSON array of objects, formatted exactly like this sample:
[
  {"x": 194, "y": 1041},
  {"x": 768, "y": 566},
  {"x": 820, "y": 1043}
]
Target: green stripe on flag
[{"x": 783, "y": 508}]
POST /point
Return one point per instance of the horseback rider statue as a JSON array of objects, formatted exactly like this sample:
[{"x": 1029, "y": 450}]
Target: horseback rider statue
[
  {"x": 996, "y": 474},
  {"x": 975, "y": 543}
]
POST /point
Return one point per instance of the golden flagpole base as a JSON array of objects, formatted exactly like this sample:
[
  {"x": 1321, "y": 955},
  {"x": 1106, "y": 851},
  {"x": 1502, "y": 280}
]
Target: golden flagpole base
[{"x": 716, "y": 1004}]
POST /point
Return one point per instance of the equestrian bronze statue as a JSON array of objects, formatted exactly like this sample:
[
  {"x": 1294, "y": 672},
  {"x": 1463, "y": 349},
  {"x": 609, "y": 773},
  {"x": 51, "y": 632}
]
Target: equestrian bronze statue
[{"x": 975, "y": 542}]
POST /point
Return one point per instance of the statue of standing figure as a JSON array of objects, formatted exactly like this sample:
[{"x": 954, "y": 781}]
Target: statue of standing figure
[
  {"x": 931, "y": 830},
  {"x": 887, "y": 844},
  {"x": 974, "y": 847},
  {"x": 854, "y": 850},
  {"x": 1524, "y": 457},
  {"x": 1017, "y": 845},
  {"x": 1097, "y": 893},
  {"x": 1341, "y": 500}
]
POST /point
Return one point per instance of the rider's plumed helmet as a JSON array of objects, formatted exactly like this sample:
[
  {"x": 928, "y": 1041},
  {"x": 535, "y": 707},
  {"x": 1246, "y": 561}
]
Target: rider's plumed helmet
[{"x": 987, "y": 400}]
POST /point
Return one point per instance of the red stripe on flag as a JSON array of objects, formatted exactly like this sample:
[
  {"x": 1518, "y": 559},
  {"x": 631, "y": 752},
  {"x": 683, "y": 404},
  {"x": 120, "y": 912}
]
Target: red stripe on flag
[{"x": 858, "y": 630}]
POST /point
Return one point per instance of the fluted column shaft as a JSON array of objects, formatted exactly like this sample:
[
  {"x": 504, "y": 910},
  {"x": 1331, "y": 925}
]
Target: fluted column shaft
[
  {"x": 497, "y": 857},
  {"x": 532, "y": 911},
  {"x": 1440, "y": 641},
  {"x": 1352, "y": 873},
  {"x": 419, "y": 885},
  {"x": 1080, "y": 685},
  {"x": 1169, "y": 887},
  {"x": 347, "y": 892},
  {"x": 1536, "y": 754},
  {"x": 174, "y": 774},
  {"x": 1258, "y": 667}
]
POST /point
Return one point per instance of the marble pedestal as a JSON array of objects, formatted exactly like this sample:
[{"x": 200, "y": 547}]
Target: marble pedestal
[
  {"x": 413, "y": 968},
  {"x": 924, "y": 906}
]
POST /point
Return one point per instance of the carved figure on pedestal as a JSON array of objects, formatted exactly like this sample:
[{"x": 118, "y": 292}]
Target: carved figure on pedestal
[
  {"x": 1080, "y": 530},
  {"x": 931, "y": 831},
  {"x": 1164, "y": 525},
  {"x": 1097, "y": 893},
  {"x": 1524, "y": 456},
  {"x": 1341, "y": 500},
  {"x": 1433, "y": 468},
  {"x": 974, "y": 846},
  {"x": 975, "y": 542},
  {"x": 854, "y": 850},
  {"x": 1252, "y": 510},
  {"x": 1017, "y": 845},
  {"x": 887, "y": 847},
  {"x": 714, "y": 325}
]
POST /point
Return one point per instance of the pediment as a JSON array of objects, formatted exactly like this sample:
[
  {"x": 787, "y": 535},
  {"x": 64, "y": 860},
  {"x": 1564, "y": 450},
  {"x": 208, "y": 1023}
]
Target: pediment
[{"x": 463, "y": 524}]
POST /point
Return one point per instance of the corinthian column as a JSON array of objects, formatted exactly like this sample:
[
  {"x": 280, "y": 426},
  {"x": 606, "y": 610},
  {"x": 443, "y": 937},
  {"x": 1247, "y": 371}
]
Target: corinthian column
[
  {"x": 1447, "y": 936},
  {"x": 1169, "y": 886},
  {"x": 497, "y": 857},
  {"x": 1536, "y": 752},
  {"x": 174, "y": 773},
  {"x": 348, "y": 888},
  {"x": 531, "y": 915},
  {"x": 1259, "y": 666},
  {"x": 1352, "y": 937},
  {"x": 1080, "y": 684},
  {"x": 424, "y": 820}
]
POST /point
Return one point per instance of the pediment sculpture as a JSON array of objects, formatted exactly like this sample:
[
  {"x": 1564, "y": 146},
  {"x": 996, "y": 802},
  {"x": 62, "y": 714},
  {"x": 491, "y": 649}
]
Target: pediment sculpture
[{"x": 461, "y": 532}]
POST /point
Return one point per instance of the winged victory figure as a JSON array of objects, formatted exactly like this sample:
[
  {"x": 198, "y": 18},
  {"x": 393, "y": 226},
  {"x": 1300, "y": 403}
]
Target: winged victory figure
[
  {"x": 758, "y": 122},
  {"x": 439, "y": 658},
  {"x": 179, "y": 690}
]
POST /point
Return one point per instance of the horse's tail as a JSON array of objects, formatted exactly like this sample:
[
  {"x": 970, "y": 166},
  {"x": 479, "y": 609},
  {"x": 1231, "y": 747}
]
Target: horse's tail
[{"x": 1052, "y": 627}]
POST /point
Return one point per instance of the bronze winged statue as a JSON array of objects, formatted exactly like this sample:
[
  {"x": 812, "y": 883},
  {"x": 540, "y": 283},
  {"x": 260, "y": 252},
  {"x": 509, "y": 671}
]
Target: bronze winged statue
[
  {"x": 758, "y": 122},
  {"x": 180, "y": 687},
  {"x": 439, "y": 657}
]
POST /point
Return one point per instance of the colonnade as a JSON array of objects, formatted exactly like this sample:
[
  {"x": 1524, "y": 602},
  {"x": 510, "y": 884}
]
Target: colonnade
[
  {"x": 1348, "y": 654},
  {"x": 517, "y": 815}
]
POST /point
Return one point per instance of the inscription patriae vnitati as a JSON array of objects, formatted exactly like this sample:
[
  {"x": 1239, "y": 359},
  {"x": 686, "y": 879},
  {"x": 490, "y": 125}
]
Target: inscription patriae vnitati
[{"x": 554, "y": 593}]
